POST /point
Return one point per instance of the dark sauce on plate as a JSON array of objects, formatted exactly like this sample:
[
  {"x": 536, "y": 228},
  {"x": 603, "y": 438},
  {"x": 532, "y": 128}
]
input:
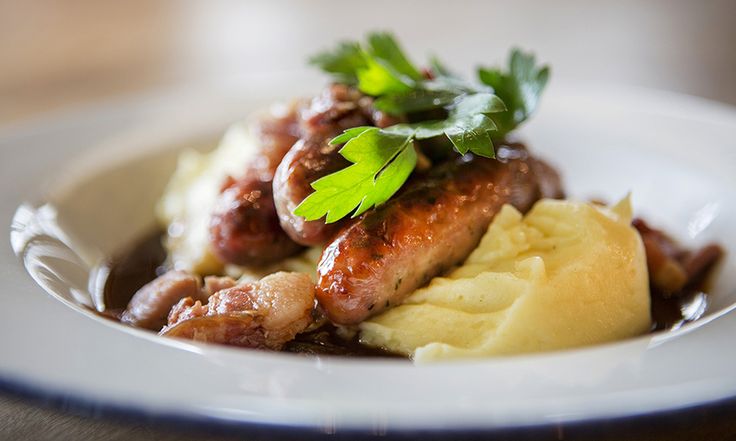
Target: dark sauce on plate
[
  {"x": 132, "y": 269},
  {"x": 145, "y": 260}
]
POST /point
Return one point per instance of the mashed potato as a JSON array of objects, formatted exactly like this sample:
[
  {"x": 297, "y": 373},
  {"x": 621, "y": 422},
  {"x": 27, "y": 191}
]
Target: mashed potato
[{"x": 568, "y": 274}]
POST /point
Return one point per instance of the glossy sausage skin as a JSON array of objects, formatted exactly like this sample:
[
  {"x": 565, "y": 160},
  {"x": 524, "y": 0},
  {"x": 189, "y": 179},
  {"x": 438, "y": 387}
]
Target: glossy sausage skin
[
  {"x": 338, "y": 108},
  {"x": 312, "y": 157},
  {"x": 309, "y": 160},
  {"x": 276, "y": 133},
  {"x": 431, "y": 226},
  {"x": 244, "y": 227},
  {"x": 150, "y": 305}
]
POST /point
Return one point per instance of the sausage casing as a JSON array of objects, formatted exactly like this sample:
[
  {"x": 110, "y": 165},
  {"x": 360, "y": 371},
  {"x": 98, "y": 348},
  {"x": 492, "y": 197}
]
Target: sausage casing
[{"x": 431, "y": 226}]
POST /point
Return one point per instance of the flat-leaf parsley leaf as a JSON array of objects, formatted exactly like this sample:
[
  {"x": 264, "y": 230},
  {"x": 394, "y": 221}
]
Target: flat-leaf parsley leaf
[{"x": 383, "y": 159}]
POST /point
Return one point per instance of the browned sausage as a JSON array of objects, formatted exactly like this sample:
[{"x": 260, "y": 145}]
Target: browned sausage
[
  {"x": 309, "y": 160},
  {"x": 312, "y": 157},
  {"x": 431, "y": 226},
  {"x": 548, "y": 180},
  {"x": 244, "y": 227},
  {"x": 338, "y": 108},
  {"x": 276, "y": 133},
  {"x": 150, "y": 306}
]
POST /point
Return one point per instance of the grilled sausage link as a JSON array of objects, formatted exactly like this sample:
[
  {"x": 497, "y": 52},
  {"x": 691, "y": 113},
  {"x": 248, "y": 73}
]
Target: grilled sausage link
[
  {"x": 276, "y": 133},
  {"x": 431, "y": 226},
  {"x": 338, "y": 108},
  {"x": 244, "y": 227},
  {"x": 309, "y": 160}
]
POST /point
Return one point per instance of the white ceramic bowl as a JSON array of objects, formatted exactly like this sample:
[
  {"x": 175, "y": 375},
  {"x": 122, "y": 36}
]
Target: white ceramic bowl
[{"x": 90, "y": 179}]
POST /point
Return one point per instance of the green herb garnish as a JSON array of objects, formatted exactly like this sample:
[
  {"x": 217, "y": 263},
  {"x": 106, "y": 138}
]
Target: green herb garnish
[
  {"x": 519, "y": 88},
  {"x": 383, "y": 159}
]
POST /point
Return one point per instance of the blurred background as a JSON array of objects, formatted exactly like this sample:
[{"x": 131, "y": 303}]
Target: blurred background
[{"x": 58, "y": 55}]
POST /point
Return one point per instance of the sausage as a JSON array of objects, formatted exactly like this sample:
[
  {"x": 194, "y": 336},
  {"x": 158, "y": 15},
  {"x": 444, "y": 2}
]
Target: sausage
[
  {"x": 276, "y": 132},
  {"x": 431, "y": 226},
  {"x": 150, "y": 305},
  {"x": 309, "y": 160},
  {"x": 244, "y": 226},
  {"x": 338, "y": 108},
  {"x": 548, "y": 180},
  {"x": 244, "y": 229}
]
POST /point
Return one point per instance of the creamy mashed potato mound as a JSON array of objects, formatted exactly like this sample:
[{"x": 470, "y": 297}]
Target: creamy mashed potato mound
[{"x": 567, "y": 274}]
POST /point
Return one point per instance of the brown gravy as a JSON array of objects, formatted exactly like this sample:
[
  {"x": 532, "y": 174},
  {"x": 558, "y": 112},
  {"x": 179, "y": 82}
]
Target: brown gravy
[{"x": 145, "y": 260}]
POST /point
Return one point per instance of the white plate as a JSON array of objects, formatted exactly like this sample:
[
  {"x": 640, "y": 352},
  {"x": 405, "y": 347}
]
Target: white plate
[{"x": 102, "y": 169}]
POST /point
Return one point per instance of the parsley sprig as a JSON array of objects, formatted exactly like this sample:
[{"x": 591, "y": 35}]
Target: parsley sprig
[{"x": 383, "y": 159}]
